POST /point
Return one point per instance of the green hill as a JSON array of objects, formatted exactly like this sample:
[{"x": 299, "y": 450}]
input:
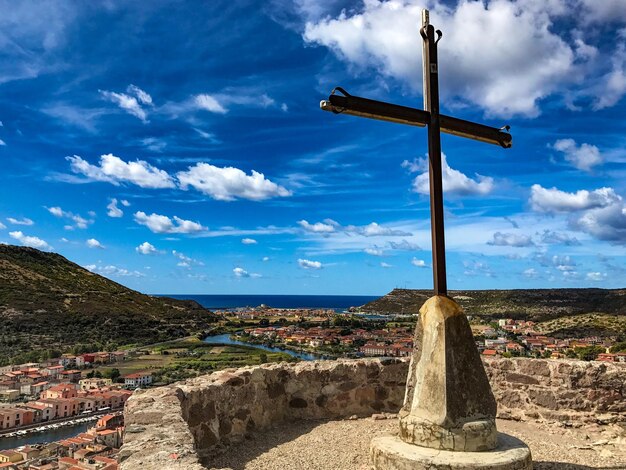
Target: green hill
[
  {"x": 522, "y": 304},
  {"x": 48, "y": 302}
]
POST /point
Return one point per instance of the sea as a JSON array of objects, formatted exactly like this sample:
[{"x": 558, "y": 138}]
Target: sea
[{"x": 225, "y": 301}]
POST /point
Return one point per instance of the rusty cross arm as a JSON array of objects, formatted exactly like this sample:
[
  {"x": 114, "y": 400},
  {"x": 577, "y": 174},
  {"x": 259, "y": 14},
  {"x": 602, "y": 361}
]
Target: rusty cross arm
[{"x": 372, "y": 109}]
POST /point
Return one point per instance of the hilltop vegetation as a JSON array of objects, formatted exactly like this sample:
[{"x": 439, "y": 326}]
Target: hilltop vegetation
[
  {"x": 49, "y": 304},
  {"x": 562, "y": 312}
]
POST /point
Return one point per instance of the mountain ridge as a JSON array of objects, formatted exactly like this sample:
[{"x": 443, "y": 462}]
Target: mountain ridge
[{"x": 47, "y": 301}]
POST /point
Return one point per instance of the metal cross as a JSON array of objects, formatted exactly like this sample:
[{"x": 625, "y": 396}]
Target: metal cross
[{"x": 437, "y": 123}]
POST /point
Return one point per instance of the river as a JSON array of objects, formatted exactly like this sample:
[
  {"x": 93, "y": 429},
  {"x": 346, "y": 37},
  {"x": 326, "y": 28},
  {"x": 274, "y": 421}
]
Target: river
[
  {"x": 51, "y": 435},
  {"x": 226, "y": 339}
]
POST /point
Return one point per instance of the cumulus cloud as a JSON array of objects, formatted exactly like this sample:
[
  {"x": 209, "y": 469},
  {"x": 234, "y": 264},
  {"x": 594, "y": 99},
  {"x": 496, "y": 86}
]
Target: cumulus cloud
[
  {"x": 327, "y": 226},
  {"x": 596, "y": 276},
  {"x": 420, "y": 263},
  {"x": 606, "y": 223},
  {"x": 554, "y": 200},
  {"x": 2, "y": 226},
  {"x": 526, "y": 59},
  {"x": 375, "y": 230},
  {"x": 558, "y": 238},
  {"x": 583, "y": 156},
  {"x": 454, "y": 182},
  {"x": 147, "y": 249},
  {"x": 93, "y": 243},
  {"x": 385, "y": 265},
  {"x": 511, "y": 239},
  {"x": 133, "y": 101},
  {"x": 113, "y": 210},
  {"x": 22, "y": 221},
  {"x": 240, "y": 273},
  {"x": 111, "y": 270},
  {"x": 374, "y": 251},
  {"x": 228, "y": 183},
  {"x": 186, "y": 261},
  {"x": 33, "y": 242},
  {"x": 114, "y": 170},
  {"x": 403, "y": 245},
  {"x": 530, "y": 273},
  {"x": 249, "y": 241},
  {"x": 77, "y": 220},
  {"x": 308, "y": 264},
  {"x": 163, "y": 224}
]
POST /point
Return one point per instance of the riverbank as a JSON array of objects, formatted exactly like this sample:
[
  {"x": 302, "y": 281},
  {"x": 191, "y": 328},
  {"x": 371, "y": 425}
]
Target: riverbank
[{"x": 227, "y": 339}]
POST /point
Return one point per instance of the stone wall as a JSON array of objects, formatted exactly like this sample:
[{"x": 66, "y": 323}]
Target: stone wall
[
  {"x": 177, "y": 426},
  {"x": 558, "y": 390}
]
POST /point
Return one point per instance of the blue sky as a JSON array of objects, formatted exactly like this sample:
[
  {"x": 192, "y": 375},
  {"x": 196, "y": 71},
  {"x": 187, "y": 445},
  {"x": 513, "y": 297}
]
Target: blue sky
[{"x": 178, "y": 147}]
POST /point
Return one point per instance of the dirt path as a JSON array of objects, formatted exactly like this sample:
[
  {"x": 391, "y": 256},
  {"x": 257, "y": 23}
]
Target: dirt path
[{"x": 343, "y": 445}]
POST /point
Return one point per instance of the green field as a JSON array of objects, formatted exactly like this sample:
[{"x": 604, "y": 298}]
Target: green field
[{"x": 177, "y": 360}]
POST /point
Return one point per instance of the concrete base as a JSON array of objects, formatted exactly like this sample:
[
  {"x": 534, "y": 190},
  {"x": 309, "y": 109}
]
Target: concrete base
[{"x": 391, "y": 453}]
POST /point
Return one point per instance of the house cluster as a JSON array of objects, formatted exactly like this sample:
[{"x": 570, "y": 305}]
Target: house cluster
[
  {"x": 95, "y": 449},
  {"x": 380, "y": 342},
  {"x": 29, "y": 380},
  {"x": 262, "y": 311},
  {"x": 64, "y": 401},
  {"x": 528, "y": 341}
]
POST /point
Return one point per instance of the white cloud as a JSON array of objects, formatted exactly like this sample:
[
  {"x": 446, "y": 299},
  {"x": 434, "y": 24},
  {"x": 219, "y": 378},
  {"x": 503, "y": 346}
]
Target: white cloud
[
  {"x": 114, "y": 170},
  {"x": 249, "y": 241},
  {"x": 403, "y": 245},
  {"x": 583, "y": 156},
  {"x": 526, "y": 61},
  {"x": 209, "y": 103},
  {"x": 33, "y": 242},
  {"x": 240, "y": 272},
  {"x": 596, "y": 276},
  {"x": 162, "y": 224},
  {"x": 385, "y": 265},
  {"x": 22, "y": 221},
  {"x": 558, "y": 238},
  {"x": 113, "y": 210},
  {"x": 531, "y": 273},
  {"x": 111, "y": 270},
  {"x": 131, "y": 102},
  {"x": 308, "y": 264},
  {"x": 319, "y": 227},
  {"x": 2, "y": 226},
  {"x": 147, "y": 249},
  {"x": 605, "y": 223},
  {"x": 511, "y": 239},
  {"x": 454, "y": 182},
  {"x": 186, "y": 261},
  {"x": 93, "y": 243},
  {"x": 266, "y": 258},
  {"x": 554, "y": 200},
  {"x": 374, "y": 251},
  {"x": 78, "y": 220},
  {"x": 2, "y": 143},
  {"x": 125, "y": 203},
  {"x": 420, "y": 263},
  {"x": 375, "y": 230},
  {"x": 228, "y": 183}
]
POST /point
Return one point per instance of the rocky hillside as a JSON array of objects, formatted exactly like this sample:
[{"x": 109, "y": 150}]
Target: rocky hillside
[
  {"x": 523, "y": 304},
  {"x": 49, "y": 302}
]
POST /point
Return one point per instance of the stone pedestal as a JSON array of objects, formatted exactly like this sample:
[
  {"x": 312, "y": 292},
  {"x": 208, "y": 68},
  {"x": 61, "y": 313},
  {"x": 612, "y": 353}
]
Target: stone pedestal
[{"x": 449, "y": 412}]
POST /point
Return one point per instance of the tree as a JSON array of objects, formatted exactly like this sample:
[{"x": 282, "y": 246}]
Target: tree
[
  {"x": 589, "y": 353},
  {"x": 262, "y": 358}
]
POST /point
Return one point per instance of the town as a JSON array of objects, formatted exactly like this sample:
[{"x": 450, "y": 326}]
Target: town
[
  {"x": 43, "y": 397},
  {"x": 505, "y": 338}
]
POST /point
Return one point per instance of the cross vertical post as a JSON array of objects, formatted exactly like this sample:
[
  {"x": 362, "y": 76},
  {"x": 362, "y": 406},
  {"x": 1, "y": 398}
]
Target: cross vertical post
[{"x": 431, "y": 104}]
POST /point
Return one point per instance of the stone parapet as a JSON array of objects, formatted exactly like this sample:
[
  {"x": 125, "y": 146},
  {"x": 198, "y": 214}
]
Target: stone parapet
[{"x": 177, "y": 426}]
